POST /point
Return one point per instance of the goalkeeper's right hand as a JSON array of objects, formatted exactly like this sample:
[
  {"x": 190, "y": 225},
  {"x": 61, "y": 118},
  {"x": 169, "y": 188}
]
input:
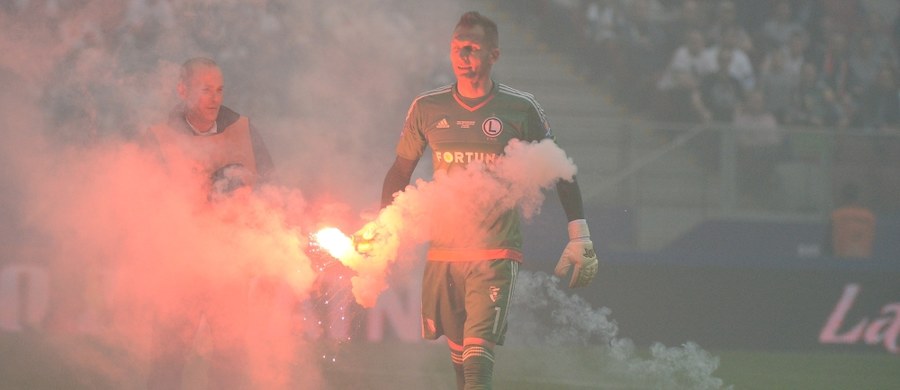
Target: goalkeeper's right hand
[{"x": 364, "y": 239}]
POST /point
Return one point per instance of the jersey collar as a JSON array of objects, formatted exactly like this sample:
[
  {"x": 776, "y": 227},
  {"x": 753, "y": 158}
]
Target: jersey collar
[{"x": 474, "y": 104}]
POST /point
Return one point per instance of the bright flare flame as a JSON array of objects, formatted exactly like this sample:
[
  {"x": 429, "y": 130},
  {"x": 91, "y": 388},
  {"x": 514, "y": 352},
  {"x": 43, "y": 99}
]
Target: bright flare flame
[{"x": 335, "y": 242}]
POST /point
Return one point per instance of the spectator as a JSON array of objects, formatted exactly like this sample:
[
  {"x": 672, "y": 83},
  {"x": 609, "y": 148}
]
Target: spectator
[
  {"x": 680, "y": 80},
  {"x": 720, "y": 92},
  {"x": 144, "y": 25},
  {"x": 741, "y": 68},
  {"x": 812, "y": 101},
  {"x": 881, "y": 104},
  {"x": 834, "y": 61},
  {"x": 846, "y": 15},
  {"x": 895, "y": 31},
  {"x": 687, "y": 60},
  {"x": 760, "y": 144},
  {"x": 776, "y": 82},
  {"x": 794, "y": 53},
  {"x": 690, "y": 16},
  {"x": 851, "y": 228},
  {"x": 834, "y": 70},
  {"x": 81, "y": 99},
  {"x": 880, "y": 31},
  {"x": 718, "y": 97},
  {"x": 606, "y": 57},
  {"x": 602, "y": 17},
  {"x": 805, "y": 12},
  {"x": 821, "y": 29},
  {"x": 864, "y": 65},
  {"x": 141, "y": 13},
  {"x": 642, "y": 37},
  {"x": 778, "y": 28},
  {"x": 726, "y": 20}
]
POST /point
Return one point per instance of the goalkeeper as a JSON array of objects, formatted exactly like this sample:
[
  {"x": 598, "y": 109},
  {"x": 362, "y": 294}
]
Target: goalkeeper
[{"x": 466, "y": 288}]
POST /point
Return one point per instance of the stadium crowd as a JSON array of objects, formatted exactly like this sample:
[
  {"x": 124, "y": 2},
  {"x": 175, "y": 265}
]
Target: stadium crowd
[
  {"x": 776, "y": 70},
  {"x": 826, "y": 65},
  {"x": 816, "y": 62},
  {"x": 94, "y": 62}
]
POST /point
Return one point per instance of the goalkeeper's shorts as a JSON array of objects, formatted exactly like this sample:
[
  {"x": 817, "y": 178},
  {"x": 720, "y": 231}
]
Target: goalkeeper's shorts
[{"x": 467, "y": 299}]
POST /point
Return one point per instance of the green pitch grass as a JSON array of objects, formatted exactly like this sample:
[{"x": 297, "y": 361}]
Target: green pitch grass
[
  {"x": 28, "y": 363},
  {"x": 426, "y": 365},
  {"x": 793, "y": 370}
]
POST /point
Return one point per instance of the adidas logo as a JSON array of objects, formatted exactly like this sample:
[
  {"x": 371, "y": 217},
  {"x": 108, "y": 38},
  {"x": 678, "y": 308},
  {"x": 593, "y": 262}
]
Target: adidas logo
[{"x": 443, "y": 124}]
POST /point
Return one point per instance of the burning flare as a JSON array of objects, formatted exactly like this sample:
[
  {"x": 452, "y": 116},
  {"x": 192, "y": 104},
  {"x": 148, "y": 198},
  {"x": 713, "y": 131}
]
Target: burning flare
[
  {"x": 335, "y": 242},
  {"x": 367, "y": 252}
]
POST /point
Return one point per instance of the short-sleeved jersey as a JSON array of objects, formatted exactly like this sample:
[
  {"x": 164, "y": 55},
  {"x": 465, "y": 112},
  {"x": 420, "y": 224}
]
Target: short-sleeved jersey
[{"x": 459, "y": 132}]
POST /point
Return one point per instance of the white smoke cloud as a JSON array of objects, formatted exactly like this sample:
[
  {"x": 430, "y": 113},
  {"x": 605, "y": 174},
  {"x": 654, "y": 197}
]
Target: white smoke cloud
[
  {"x": 542, "y": 314},
  {"x": 457, "y": 204},
  {"x": 685, "y": 367}
]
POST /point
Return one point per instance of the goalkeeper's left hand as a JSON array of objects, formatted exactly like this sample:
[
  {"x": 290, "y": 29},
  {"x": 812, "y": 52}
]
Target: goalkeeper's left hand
[{"x": 578, "y": 256}]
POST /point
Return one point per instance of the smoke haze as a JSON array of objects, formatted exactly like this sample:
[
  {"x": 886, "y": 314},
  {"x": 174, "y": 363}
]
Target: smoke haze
[{"x": 126, "y": 243}]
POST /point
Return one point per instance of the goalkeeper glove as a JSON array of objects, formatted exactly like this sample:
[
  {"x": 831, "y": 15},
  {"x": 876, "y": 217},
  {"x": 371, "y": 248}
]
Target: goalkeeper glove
[
  {"x": 579, "y": 252},
  {"x": 364, "y": 239}
]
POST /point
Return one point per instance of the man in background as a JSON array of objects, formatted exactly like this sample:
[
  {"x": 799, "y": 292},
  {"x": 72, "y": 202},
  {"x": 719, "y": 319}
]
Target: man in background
[
  {"x": 218, "y": 150},
  {"x": 851, "y": 230}
]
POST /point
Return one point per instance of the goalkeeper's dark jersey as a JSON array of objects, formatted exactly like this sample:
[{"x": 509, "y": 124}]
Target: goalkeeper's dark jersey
[{"x": 459, "y": 131}]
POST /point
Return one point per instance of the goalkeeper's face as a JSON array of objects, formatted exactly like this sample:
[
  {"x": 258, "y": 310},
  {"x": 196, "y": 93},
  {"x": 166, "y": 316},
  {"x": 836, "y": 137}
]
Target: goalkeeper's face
[
  {"x": 471, "y": 54},
  {"x": 202, "y": 95}
]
